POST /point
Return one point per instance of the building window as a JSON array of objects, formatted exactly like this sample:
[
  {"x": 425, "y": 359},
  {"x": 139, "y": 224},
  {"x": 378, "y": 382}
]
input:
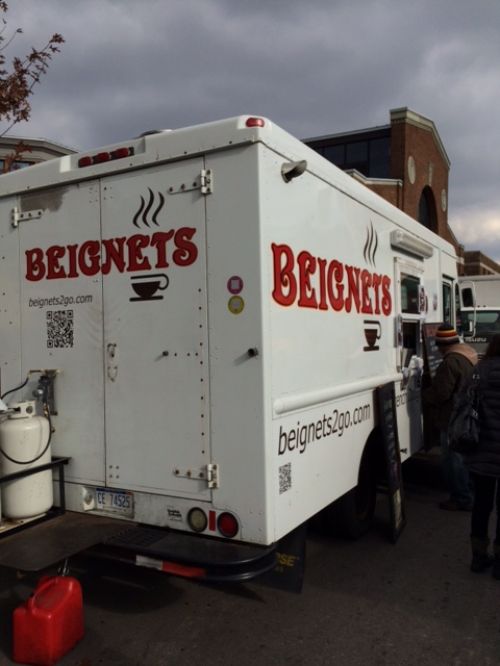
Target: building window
[
  {"x": 369, "y": 155},
  {"x": 427, "y": 210},
  {"x": 379, "y": 158},
  {"x": 335, "y": 154},
  {"x": 356, "y": 152},
  {"x": 356, "y": 156},
  {"x": 18, "y": 164}
]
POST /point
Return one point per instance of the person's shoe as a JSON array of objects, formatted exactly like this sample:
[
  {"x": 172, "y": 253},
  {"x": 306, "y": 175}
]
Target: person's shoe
[{"x": 453, "y": 505}]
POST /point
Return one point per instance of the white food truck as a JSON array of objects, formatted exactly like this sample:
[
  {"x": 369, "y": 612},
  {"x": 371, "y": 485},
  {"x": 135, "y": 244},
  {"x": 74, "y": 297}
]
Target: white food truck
[
  {"x": 479, "y": 315},
  {"x": 204, "y": 316}
]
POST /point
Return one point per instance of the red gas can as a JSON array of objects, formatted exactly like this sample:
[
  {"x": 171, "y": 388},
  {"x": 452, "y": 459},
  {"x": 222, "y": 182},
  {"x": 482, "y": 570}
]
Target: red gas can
[{"x": 49, "y": 623}]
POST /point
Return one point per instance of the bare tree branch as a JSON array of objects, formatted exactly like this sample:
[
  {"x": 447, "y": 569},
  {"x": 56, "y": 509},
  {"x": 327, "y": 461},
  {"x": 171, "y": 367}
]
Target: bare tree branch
[{"x": 18, "y": 80}]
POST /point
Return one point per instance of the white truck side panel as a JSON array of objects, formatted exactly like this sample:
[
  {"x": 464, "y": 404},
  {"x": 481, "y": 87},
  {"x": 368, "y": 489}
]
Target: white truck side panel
[
  {"x": 240, "y": 398},
  {"x": 155, "y": 332},
  {"x": 486, "y": 289},
  {"x": 480, "y": 308},
  {"x": 10, "y": 289},
  {"x": 324, "y": 370},
  {"x": 320, "y": 422},
  {"x": 61, "y": 321}
]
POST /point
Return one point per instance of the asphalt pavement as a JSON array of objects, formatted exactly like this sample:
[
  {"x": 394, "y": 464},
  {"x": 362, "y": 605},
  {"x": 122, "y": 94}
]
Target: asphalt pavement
[{"x": 371, "y": 602}]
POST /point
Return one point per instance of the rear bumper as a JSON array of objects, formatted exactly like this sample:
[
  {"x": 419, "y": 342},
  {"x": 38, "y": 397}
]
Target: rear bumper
[
  {"x": 188, "y": 555},
  {"x": 42, "y": 545}
]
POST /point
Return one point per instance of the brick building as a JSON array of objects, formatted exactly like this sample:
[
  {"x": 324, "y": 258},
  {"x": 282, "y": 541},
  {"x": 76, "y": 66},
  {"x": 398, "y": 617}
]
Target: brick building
[
  {"x": 406, "y": 163},
  {"x": 477, "y": 263}
]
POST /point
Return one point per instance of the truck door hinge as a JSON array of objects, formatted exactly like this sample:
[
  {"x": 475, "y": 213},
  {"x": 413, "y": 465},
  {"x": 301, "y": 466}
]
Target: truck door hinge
[
  {"x": 208, "y": 473},
  {"x": 213, "y": 475},
  {"x": 24, "y": 216},
  {"x": 207, "y": 181}
]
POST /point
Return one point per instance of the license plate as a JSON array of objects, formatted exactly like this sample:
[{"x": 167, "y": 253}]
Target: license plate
[{"x": 115, "y": 501}]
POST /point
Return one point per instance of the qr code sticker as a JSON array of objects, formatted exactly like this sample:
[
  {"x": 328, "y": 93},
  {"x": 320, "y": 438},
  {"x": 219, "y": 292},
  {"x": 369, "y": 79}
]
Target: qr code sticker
[
  {"x": 285, "y": 477},
  {"x": 60, "y": 329}
]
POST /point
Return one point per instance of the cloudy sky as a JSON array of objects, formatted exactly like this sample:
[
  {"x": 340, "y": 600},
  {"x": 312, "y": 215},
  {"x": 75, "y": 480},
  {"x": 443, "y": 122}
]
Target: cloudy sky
[{"x": 313, "y": 66}]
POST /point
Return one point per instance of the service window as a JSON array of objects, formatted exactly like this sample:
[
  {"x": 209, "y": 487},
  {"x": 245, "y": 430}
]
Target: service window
[
  {"x": 410, "y": 307},
  {"x": 410, "y": 291},
  {"x": 447, "y": 302},
  {"x": 468, "y": 297},
  {"x": 411, "y": 341},
  {"x": 458, "y": 315}
]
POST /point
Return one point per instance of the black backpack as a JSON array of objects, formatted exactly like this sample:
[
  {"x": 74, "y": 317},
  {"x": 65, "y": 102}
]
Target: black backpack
[{"x": 463, "y": 430}]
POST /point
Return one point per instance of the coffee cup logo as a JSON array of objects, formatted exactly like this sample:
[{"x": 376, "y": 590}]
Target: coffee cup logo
[
  {"x": 373, "y": 331},
  {"x": 146, "y": 286}
]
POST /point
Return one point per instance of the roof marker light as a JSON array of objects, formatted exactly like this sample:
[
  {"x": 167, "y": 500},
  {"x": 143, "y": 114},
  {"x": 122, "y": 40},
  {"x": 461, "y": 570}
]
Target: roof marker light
[
  {"x": 121, "y": 152},
  {"x": 85, "y": 161},
  {"x": 255, "y": 122},
  {"x": 118, "y": 153},
  {"x": 99, "y": 158}
]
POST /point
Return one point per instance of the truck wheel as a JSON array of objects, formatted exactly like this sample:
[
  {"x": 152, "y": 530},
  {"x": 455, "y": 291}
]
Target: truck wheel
[{"x": 351, "y": 515}]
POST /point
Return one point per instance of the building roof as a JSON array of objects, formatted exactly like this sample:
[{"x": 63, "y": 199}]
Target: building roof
[
  {"x": 400, "y": 115},
  {"x": 354, "y": 133},
  {"x": 406, "y": 115},
  {"x": 39, "y": 144}
]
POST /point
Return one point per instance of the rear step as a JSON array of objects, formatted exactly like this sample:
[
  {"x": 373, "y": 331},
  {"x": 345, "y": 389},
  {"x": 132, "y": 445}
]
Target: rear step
[{"x": 46, "y": 544}]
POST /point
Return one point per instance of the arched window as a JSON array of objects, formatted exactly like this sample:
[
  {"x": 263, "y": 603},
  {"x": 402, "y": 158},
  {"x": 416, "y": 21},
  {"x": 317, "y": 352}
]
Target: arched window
[{"x": 427, "y": 209}]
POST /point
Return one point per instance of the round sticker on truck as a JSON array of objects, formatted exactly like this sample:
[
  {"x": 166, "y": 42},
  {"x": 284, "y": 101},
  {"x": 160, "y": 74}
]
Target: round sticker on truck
[
  {"x": 236, "y": 304},
  {"x": 235, "y": 284}
]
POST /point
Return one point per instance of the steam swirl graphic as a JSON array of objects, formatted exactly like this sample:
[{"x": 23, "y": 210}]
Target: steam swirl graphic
[
  {"x": 144, "y": 209},
  {"x": 371, "y": 245}
]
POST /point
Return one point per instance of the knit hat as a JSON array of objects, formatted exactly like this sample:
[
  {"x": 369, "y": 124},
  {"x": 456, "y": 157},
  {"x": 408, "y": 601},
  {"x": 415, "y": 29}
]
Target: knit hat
[{"x": 446, "y": 335}]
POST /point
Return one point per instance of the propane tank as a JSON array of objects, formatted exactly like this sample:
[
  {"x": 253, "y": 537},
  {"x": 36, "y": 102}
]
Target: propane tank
[{"x": 23, "y": 437}]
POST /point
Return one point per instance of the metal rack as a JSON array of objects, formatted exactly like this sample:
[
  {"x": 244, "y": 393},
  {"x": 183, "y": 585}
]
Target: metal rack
[{"x": 57, "y": 462}]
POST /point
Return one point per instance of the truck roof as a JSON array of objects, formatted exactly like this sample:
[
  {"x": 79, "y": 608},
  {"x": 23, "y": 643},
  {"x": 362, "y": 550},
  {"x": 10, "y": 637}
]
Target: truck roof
[
  {"x": 180, "y": 144},
  {"x": 494, "y": 277}
]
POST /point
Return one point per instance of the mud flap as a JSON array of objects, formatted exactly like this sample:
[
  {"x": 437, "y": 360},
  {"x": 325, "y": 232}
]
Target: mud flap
[
  {"x": 288, "y": 574},
  {"x": 389, "y": 427}
]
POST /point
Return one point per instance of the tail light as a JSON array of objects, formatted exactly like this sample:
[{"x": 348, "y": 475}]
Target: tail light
[
  {"x": 227, "y": 525},
  {"x": 197, "y": 520}
]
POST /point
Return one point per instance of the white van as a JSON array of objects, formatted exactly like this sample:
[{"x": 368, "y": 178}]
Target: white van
[{"x": 211, "y": 310}]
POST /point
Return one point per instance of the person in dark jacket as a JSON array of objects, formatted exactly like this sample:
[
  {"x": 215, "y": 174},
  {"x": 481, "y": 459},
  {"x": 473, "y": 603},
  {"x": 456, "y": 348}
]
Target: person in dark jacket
[
  {"x": 484, "y": 464},
  {"x": 455, "y": 369}
]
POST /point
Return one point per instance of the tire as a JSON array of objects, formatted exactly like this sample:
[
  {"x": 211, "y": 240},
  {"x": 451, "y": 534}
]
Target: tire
[{"x": 351, "y": 516}]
